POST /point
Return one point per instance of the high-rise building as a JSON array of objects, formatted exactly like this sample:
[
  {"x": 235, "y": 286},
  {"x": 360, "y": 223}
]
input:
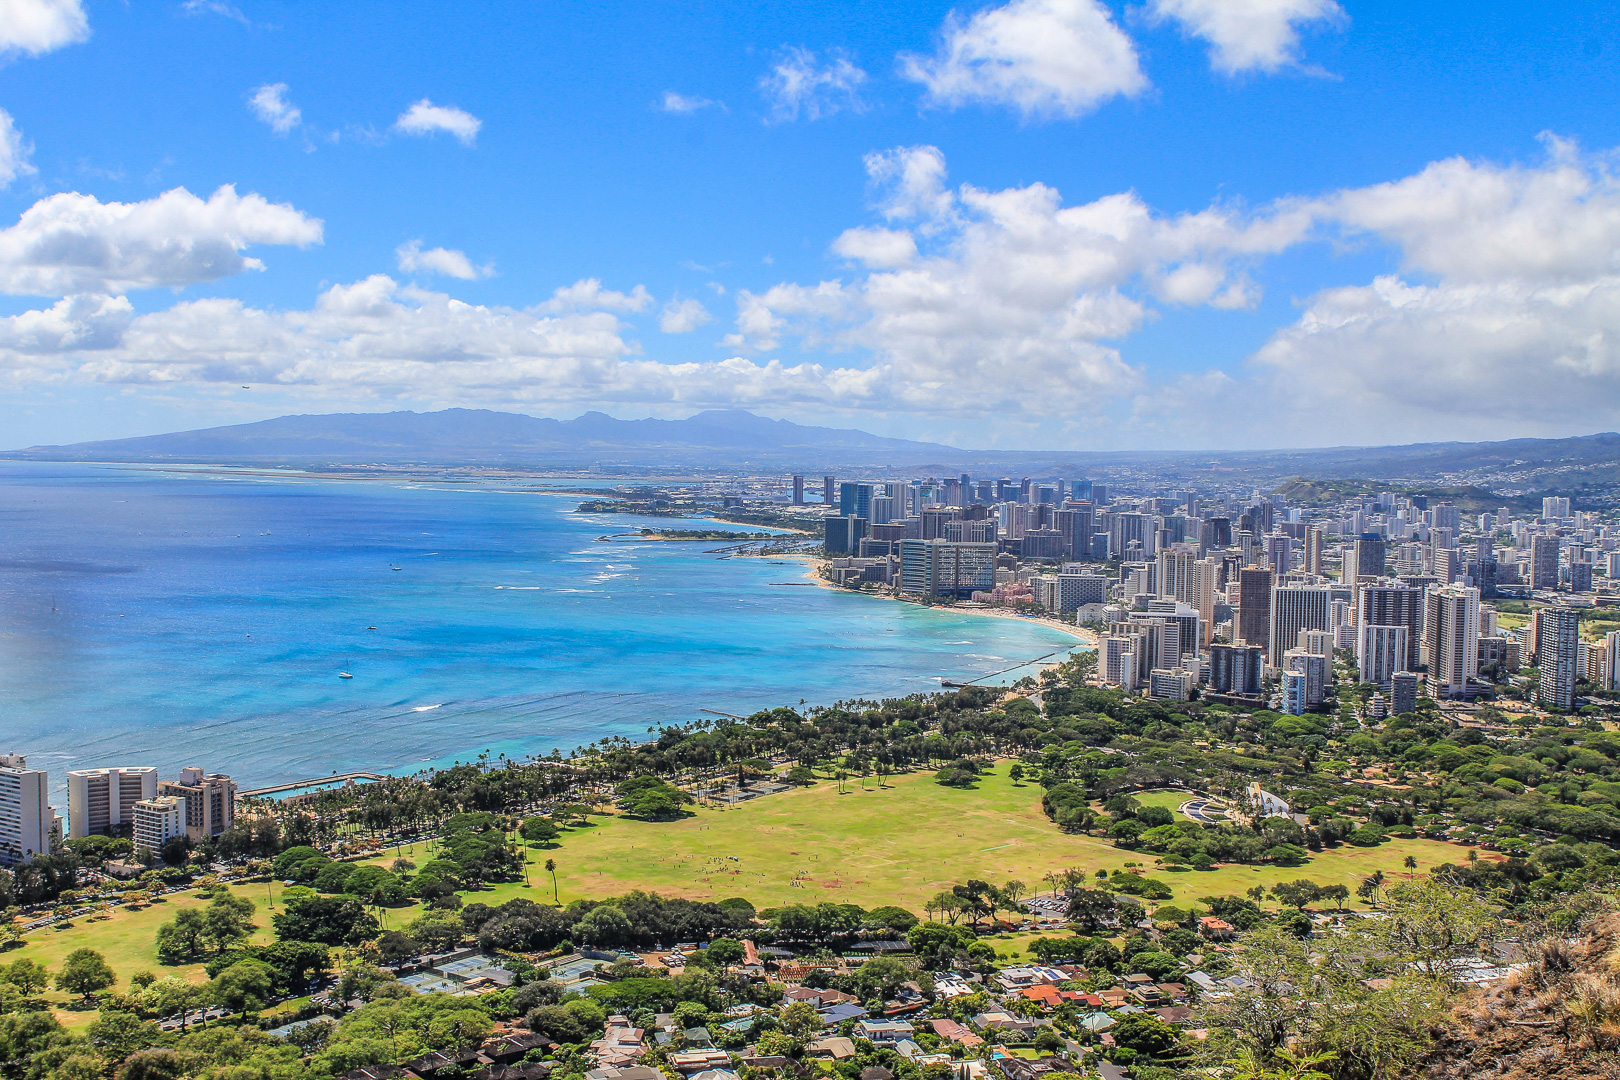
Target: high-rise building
[
  {"x": 209, "y": 800},
  {"x": 1381, "y": 651},
  {"x": 1403, "y": 693},
  {"x": 102, "y": 801},
  {"x": 1580, "y": 576},
  {"x": 1451, "y": 639},
  {"x": 798, "y": 491},
  {"x": 1295, "y": 608},
  {"x": 1611, "y": 649},
  {"x": 1294, "y": 700},
  {"x": 1076, "y": 523},
  {"x": 828, "y": 495},
  {"x": 1205, "y": 572},
  {"x": 1280, "y": 554},
  {"x": 1315, "y": 668},
  {"x": 27, "y": 821},
  {"x": 1254, "y": 606},
  {"x": 1364, "y": 559},
  {"x": 1544, "y": 562},
  {"x": 1558, "y": 635},
  {"x": 1176, "y": 575},
  {"x": 1554, "y": 508},
  {"x": 1314, "y": 540},
  {"x": 941, "y": 568},
  {"x": 855, "y": 500},
  {"x": 1236, "y": 669},
  {"x": 844, "y": 534},
  {"x": 156, "y": 821},
  {"x": 1393, "y": 605}
]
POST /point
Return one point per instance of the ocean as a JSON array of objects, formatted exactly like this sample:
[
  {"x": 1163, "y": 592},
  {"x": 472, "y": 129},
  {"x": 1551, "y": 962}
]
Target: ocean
[{"x": 172, "y": 617}]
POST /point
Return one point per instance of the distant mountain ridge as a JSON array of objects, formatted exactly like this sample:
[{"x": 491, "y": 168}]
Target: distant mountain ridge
[
  {"x": 484, "y": 436},
  {"x": 736, "y": 439}
]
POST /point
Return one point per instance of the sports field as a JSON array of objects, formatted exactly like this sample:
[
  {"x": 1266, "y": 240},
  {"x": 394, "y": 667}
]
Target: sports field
[{"x": 898, "y": 844}]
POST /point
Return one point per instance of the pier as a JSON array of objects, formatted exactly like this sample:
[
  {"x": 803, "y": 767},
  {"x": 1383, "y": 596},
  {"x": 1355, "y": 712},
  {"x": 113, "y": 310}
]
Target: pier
[{"x": 293, "y": 785}]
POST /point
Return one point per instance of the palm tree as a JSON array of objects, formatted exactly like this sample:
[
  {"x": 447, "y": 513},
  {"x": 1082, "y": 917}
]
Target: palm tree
[
  {"x": 1410, "y": 862},
  {"x": 551, "y": 868}
]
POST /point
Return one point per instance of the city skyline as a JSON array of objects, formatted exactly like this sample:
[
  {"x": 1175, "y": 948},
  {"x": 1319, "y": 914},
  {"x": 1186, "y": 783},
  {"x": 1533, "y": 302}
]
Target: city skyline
[{"x": 1045, "y": 222}]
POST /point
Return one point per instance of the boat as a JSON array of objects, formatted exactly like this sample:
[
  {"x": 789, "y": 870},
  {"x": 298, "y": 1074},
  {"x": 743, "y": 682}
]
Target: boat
[
  {"x": 371, "y": 628},
  {"x": 344, "y": 675}
]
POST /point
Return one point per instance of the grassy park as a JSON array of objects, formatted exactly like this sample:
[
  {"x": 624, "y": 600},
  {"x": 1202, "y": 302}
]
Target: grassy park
[
  {"x": 128, "y": 942},
  {"x": 896, "y": 844}
]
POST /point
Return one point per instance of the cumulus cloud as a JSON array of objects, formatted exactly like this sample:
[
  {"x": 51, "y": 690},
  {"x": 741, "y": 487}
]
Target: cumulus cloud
[
  {"x": 426, "y": 118},
  {"x": 683, "y": 316},
  {"x": 799, "y": 84},
  {"x": 1508, "y": 311},
  {"x": 376, "y": 338},
  {"x": 1248, "y": 35},
  {"x": 271, "y": 105},
  {"x": 1041, "y": 57},
  {"x": 72, "y": 243},
  {"x": 1007, "y": 299},
  {"x": 41, "y": 26},
  {"x": 411, "y": 258},
  {"x": 881, "y": 249},
  {"x": 14, "y": 151},
  {"x": 587, "y": 294},
  {"x": 684, "y": 104}
]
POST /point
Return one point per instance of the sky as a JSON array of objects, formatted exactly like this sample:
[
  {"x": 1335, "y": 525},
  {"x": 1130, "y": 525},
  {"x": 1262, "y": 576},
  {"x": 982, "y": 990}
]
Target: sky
[{"x": 1039, "y": 224}]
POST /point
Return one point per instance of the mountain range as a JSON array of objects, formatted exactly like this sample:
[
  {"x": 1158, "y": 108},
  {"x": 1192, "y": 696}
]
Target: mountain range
[{"x": 739, "y": 440}]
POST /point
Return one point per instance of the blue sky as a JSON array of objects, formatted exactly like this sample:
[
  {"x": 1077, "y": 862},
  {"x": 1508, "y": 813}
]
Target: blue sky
[{"x": 1176, "y": 223}]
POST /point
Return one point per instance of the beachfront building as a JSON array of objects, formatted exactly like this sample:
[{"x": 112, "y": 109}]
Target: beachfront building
[
  {"x": 209, "y": 800},
  {"x": 157, "y": 821},
  {"x": 27, "y": 822},
  {"x": 102, "y": 801},
  {"x": 941, "y": 568}
]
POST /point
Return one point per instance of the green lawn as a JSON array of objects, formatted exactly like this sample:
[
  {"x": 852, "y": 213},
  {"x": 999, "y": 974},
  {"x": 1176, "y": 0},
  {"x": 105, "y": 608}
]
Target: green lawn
[
  {"x": 1170, "y": 800},
  {"x": 898, "y": 844},
  {"x": 128, "y": 941}
]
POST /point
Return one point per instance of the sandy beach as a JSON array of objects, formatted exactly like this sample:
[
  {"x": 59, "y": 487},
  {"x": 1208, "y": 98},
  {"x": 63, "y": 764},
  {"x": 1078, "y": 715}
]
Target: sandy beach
[{"x": 1087, "y": 637}]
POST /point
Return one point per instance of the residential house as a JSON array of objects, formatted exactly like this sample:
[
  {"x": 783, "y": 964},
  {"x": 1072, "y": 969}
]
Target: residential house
[
  {"x": 951, "y": 1031},
  {"x": 1000, "y": 1021},
  {"x": 883, "y": 1032},
  {"x": 835, "y": 1048}
]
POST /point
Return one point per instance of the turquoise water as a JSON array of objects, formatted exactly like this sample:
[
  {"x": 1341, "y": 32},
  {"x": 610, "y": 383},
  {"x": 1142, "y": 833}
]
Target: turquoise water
[{"x": 175, "y": 617}]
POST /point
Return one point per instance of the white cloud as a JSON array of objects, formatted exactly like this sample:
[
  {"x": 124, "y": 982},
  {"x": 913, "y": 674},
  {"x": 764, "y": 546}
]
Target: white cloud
[
  {"x": 14, "y": 151},
  {"x": 683, "y": 316},
  {"x": 682, "y": 103},
  {"x": 587, "y": 294},
  {"x": 1042, "y": 57},
  {"x": 215, "y": 7},
  {"x": 880, "y": 249},
  {"x": 270, "y": 104},
  {"x": 1007, "y": 299},
  {"x": 73, "y": 323},
  {"x": 1508, "y": 314},
  {"x": 72, "y": 243},
  {"x": 426, "y": 118},
  {"x": 40, "y": 26},
  {"x": 798, "y": 83},
  {"x": 1249, "y": 35},
  {"x": 411, "y": 258}
]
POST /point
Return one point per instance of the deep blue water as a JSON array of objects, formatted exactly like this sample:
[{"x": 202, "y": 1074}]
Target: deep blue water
[{"x": 174, "y": 617}]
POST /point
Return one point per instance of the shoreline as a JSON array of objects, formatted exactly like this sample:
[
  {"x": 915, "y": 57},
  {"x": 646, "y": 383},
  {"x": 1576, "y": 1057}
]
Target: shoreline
[{"x": 1087, "y": 638}]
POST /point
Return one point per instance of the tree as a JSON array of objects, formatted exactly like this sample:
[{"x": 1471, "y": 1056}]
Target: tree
[
  {"x": 1090, "y": 907},
  {"x": 1016, "y": 773},
  {"x": 182, "y": 939},
  {"x": 228, "y": 920},
  {"x": 330, "y": 920},
  {"x": 1433, "y": 927},
  {"x": 725, "y": 951},
  {"x": 539, "y": 832},
  {"x": 1144, "y": 1033},
  {"x": 28, "y": 976},
  {"x": 1296, "y": 894},
  {"x": 556, "y": 1023},
  {"x": 84, "y": 972},
  {"x": 551, "y": 868},
  {"x": 243, "y": 987},
  {"x": 801, "y": 1019},
  {"x": 1410, "y": 862}
]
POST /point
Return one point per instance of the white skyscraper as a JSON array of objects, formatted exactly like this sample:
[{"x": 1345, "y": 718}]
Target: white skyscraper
[
  {"x": 1451, "y": 638},
  {"x": 103, "y": 800},
  {"x": 26, "y": 817},
  {"x": 1380, "y": 653}
]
